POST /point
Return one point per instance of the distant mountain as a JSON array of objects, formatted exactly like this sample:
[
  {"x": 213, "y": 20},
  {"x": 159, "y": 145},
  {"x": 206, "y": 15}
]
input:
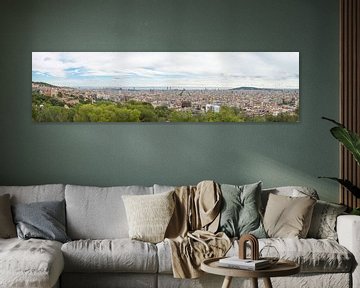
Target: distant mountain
[
  {"x": 250, "y": 88},
  {"x": 44, "y": 84},
  {"x": 256, "y": 88}
]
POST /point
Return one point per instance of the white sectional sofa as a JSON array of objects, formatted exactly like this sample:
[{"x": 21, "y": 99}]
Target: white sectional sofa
[{"x": 101, "y": 254}]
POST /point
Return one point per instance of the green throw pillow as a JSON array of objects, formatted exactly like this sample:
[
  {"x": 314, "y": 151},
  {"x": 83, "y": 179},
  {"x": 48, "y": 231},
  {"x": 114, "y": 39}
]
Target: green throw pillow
[{"x": 240, "y": 213}]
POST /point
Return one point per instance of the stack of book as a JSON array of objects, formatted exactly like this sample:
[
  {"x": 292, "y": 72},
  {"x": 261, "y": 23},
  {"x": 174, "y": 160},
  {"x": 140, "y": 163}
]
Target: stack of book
[{"x": 248, "y": 264}]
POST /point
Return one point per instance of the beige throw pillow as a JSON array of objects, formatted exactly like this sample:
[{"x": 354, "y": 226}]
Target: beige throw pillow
[
  {"x": 7, "y": 226},
  {"x": 149, "y": 215},
  {"x": 288, "y": 217}
]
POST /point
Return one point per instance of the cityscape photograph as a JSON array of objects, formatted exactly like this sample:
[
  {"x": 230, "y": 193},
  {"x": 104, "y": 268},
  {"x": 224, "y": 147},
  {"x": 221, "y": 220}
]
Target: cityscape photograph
[{"x": 165, "y": 86}]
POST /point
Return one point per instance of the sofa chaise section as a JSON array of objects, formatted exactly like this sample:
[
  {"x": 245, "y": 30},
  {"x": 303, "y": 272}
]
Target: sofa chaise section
[
  {"x": 34, "y": 262},
  {"x": 31, "y": 263}
]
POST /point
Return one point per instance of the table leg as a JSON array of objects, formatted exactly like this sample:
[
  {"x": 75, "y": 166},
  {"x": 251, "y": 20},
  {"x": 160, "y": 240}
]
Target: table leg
[
  {"x": 267, "y": 283},
  {"x": 227, "y": 282},
  {"x": 254, "y": 282}
]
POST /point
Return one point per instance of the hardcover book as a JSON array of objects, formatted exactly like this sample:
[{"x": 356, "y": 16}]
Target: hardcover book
[{"x": 236, "y": 262}]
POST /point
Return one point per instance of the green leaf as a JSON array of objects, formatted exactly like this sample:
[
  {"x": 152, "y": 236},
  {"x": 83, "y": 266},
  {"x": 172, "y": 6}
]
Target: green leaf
[
  {"x": 349, "y": 139},
  {"x": 347, "y": 184}
]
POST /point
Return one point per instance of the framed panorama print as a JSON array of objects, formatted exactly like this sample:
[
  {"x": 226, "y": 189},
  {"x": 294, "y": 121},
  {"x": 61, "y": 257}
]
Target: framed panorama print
[{"x": 165, "y": 86}]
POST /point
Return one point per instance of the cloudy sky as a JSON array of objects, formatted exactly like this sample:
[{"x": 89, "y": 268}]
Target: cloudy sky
[{"x": 164, "y": 69}]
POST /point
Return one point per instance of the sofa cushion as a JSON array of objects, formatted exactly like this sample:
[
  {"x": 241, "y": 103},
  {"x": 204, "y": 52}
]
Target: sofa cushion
[
  {"x": 36, "y": 193},
  {"x": 313, "y": 255},
  {"x": 287, "y": 216},
  {"x": 30, "y": 263},
  {"x": 163, "y": 188},
  {"x": 291, "y": 191},
  {"x": 43, "y": 220},
  {"x": 323, "y": 222},
  {"x": 98, "y": 212},
  {"x": 149, "y": 215},
  {"x": 7, "y": 226},
  {"x": 117, "y": 255},
  {"x": 240, "y": 210}
]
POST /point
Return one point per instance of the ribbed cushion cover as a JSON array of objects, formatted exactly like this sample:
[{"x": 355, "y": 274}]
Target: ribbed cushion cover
[
  {"x": 149, "y": 215},
  {"x": 323, "y": 222}
]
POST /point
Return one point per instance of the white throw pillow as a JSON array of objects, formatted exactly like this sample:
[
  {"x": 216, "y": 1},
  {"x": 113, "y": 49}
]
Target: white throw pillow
[{"x": 149, "y": 215}]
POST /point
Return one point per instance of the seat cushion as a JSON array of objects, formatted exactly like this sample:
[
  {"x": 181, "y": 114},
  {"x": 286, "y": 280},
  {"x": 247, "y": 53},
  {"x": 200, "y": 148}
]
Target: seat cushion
[
  {"x": 313, "y": 255},
  {"x": 98, "y": 212},
  {"x": 117, "y": 255},
  {"x": 30, "y": 263}
]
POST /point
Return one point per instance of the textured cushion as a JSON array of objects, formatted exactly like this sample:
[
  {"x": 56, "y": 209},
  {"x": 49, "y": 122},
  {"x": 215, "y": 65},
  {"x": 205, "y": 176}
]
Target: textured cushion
[
  {"x": 149, "y": 215},
  {"x": 32, "y": 263},
  {"x": 313, "y": 255},
  {"x": 240, "y": 210},
  {"x": 323, "y": 222},
  {"x": 98, "y": 213},
  {"x": 36, "y": 193},
  {"x": 287, "y": 216},
  {"x": 44, "y": 220},
  {"x": 117, "y": 255},
  {"x": 7, "y": 227}
]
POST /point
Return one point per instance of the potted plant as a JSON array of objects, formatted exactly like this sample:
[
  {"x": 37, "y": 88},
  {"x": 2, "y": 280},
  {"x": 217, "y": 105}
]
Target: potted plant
[{"x": 351, "y": 141}]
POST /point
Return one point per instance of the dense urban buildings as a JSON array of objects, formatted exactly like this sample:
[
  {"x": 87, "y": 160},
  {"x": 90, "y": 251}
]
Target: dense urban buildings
[{"x": 251, "y": 101}]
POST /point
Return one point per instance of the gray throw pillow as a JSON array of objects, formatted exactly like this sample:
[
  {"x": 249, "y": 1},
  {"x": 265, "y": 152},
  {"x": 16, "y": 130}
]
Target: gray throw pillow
[
  {"x": 44, "y": 220},
  {"x": 240, "y": 213},
  {"x": 7, "y": 227},
  {"x": 323, "y": 222}
]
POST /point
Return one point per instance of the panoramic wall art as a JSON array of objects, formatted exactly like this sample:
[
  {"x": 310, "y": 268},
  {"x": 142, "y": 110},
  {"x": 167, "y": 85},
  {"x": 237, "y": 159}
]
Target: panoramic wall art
[{"x": 165, "y": 86}]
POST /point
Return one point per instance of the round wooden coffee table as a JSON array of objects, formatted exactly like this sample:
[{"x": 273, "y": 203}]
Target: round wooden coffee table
[{"x": 281, "y": 268}]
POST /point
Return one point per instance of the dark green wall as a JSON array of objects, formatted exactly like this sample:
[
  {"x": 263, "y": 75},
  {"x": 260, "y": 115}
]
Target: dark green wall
[{"x": 122, "y": 154}]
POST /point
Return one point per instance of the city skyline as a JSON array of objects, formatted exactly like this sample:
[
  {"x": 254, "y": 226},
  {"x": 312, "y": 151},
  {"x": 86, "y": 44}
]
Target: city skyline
[{"x": 223, "y": 70}]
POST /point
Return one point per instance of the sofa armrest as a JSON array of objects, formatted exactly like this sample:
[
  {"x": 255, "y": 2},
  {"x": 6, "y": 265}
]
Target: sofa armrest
[{"x": 348, "y": 230}]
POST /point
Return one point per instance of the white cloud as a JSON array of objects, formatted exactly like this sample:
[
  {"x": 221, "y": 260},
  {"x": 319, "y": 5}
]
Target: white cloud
[{"x": 223, "y": 69}]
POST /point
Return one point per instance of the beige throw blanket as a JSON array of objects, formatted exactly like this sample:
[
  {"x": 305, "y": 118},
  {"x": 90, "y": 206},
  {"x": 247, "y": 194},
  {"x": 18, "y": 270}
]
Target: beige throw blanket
[{"x": 191, "y": 231}]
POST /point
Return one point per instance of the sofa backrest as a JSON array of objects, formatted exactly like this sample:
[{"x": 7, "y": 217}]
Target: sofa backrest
[
  {"x": 36, "y": 193},
  {"x": 98, "y": 212},
  {"x": 163, "y": 188}
]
